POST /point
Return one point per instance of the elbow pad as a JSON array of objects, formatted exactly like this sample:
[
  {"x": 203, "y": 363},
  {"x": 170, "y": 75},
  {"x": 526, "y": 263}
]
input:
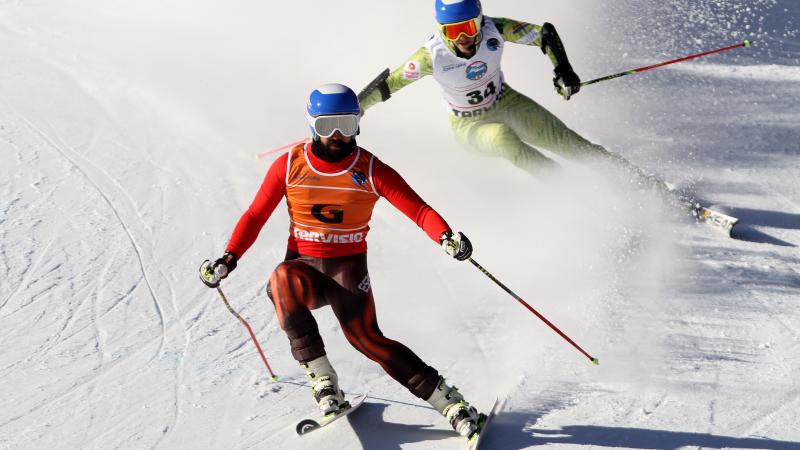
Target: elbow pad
[
  {"x": 380, "y": 84},
  {"x": 383, "y": 87},
  {"x": 551, "y": 40}
]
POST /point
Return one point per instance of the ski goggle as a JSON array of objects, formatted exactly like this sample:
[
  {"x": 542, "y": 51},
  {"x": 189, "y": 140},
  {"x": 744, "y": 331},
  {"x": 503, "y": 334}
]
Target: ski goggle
[
  {"x": 325, "y": 126},
  {"x": 470, "y": 28}
]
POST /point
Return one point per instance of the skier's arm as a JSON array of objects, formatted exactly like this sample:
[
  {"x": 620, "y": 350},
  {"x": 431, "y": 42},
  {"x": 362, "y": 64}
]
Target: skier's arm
[
  {"x": 566, "y": 81},
  {"x": 542, "y": 36},
  {"x": 252, "y": 221},
  {"x": 390, "y": 185},
  {"x": 419, "y": 65}
]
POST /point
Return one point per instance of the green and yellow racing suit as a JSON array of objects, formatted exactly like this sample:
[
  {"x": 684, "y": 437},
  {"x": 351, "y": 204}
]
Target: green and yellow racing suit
[{"x": 486, "y": 114}]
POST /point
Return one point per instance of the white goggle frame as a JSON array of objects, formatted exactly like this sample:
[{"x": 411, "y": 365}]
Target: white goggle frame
[{"x": 325, "y": 126}]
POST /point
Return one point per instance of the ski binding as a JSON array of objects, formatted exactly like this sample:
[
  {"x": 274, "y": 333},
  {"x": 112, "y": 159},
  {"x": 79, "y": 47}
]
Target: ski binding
[
  {"x": 308, "y": 425},
  {"x": 476, "y": 439}
]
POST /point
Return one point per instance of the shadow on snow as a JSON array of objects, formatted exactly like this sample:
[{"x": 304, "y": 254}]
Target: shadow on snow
[
  {"x": 751, "y": 218},
  {"x": 376, "y": 434},
  {"x": 745, "y": 232},
  {"x": 512, "y": 431}
]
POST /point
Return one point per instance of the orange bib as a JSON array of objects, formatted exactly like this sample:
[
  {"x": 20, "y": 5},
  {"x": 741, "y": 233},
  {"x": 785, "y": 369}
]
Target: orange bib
[{"x": 329, "y": 208}]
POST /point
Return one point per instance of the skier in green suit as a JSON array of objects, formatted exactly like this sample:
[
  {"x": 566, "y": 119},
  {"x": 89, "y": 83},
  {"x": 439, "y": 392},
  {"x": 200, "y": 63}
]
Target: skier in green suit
[
  {"x": 485, "y": 113},
  {"x": 490, "y": 117}
]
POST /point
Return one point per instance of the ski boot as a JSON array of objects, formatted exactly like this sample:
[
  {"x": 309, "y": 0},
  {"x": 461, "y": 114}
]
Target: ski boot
[
  {"x": 324, "y": 385},
  {"x": 451, "y": 404}
]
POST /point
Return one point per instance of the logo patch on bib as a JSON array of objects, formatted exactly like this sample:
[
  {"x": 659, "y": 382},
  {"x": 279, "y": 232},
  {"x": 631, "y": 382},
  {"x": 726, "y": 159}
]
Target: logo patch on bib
[
  {"x": 359, "y": 179},
  {"x": 477, "y": 70}
]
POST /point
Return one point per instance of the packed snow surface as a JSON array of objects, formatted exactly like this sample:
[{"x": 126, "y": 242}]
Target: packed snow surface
[{"x": 128, "y": 135}]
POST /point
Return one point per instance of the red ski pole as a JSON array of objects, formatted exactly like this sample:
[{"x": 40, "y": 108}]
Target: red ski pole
[
  {"x": 594, "y": 360},
  {"x": 744, "y": 44},
  {"x": 249, "y": 330}
]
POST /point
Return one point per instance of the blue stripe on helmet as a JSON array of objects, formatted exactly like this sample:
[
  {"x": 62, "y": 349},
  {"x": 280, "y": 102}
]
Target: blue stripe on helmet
[
  {"x": 332, "y": 99},
  {"x": 454, "y": 11}
]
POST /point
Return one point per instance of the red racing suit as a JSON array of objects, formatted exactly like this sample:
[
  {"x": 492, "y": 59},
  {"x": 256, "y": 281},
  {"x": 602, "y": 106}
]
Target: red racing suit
[{"x": 330, "y": 205}]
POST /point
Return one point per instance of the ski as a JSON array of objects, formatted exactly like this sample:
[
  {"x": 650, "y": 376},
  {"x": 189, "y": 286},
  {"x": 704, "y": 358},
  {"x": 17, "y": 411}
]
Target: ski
[
  {"x": 715, "y": 219},
  {"x": 476, "y": 439},
  {"x": 308, "y": 425},
  {"x": 703, "y": 214}
]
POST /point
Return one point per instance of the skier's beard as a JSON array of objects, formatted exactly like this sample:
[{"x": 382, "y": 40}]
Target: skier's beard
[{"x": 335, "y": 151}]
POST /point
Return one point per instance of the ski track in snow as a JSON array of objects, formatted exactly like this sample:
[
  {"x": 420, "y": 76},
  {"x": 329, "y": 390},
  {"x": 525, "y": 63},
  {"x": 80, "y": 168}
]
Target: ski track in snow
[
  {"x": 72, "y": 157},
  {"x": 112, "y": 343},
  {"x": 159, "y": 307},
  {"x": 91, "y": 292}
]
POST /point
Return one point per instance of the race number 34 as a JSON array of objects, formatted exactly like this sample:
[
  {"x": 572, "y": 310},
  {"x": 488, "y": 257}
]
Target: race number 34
[{"x": 477, "y": 97}]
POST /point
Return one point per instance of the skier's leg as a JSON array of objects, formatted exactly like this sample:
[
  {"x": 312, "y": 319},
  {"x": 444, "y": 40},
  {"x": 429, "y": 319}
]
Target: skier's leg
[
  {"x": 294, "y": 289},
  {"x": 349, "y": 294},
  {"x": 499, "y": 140},
  {"x": 539, "y": 127},
  {"x": 536, "y": 125},
  {"x": 360, "y": 326}
]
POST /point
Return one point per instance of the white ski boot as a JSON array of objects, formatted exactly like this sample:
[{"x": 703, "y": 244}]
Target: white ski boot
[
  {"x": 451, "y": 404},
  {"x": 324, "y": 385}
]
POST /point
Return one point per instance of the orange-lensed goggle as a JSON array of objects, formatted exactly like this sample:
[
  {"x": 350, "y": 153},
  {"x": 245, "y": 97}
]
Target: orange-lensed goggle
[{"x": 470, "y": 28}]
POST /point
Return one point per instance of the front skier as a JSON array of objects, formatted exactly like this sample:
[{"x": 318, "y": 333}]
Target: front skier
[
  {"x": 331, "y": 186},
  {"x": 485, "y": 113}
]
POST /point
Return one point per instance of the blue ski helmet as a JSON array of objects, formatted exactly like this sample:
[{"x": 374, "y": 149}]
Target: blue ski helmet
[
  {"x": 455, "y": 11},
  {"x": 332, "y": 99}
]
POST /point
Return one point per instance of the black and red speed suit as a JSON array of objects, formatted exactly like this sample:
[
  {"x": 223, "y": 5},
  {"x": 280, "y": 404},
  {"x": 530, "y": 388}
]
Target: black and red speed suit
[{"x": 330, "y": 205}]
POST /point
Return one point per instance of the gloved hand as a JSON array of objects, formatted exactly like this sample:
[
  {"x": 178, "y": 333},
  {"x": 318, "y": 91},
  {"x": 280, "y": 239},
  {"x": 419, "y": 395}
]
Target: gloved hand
[
  {"x": 211, "y": 273},
  {"x": 566, "y": 81},
  {"x": 456, "y": 245}
]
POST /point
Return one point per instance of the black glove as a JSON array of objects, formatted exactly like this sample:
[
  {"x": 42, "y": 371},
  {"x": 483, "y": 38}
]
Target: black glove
[
  {"x": 566, "y": 81},
  {"x": 457, "y": 246},
  {"x": 211, "y": 273}
]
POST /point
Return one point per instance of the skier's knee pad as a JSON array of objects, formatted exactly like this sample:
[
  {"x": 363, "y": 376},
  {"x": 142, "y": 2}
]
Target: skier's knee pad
[
  {"x": 423, "y": 384},
  {"x": 307, "y": 347}
]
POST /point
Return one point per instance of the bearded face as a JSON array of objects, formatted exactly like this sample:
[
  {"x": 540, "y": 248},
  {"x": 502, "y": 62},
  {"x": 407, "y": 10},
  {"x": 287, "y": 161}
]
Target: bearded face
[{"x": 335, "y": 148}]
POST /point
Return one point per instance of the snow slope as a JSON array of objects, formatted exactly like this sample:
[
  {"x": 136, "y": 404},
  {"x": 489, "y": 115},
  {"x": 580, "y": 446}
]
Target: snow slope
[{"x": 128, "y": 132}]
